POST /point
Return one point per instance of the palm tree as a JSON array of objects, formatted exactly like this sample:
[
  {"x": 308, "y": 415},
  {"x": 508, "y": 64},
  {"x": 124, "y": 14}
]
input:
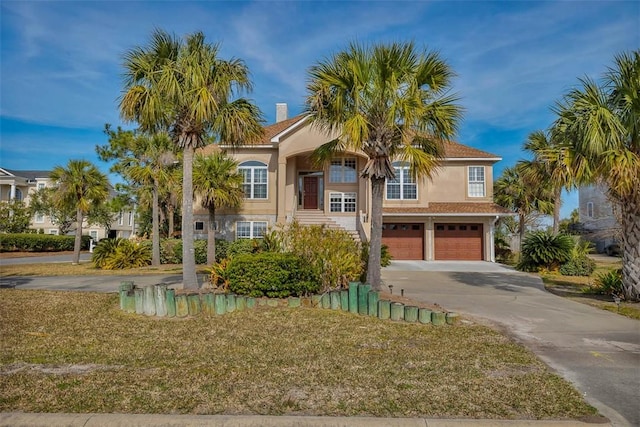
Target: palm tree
[
  {"x": 217, "y": 181},
  {"x": 602, "y": 124},
  {"x": 80, "y": 185},
  {"x": 184, "y": 87},
  {"x": 554, "y": 164},
  {"x": 389, "y": 101},
  {"x": 518, "y": 191}
]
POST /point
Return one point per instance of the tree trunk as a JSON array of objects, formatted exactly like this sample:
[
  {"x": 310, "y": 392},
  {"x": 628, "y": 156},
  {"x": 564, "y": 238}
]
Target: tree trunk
[
  {"x": 557, "y": 204},
  {"x": 521, "y": 228},
  {"x": 170, "y": 214},
  {"x": 211, "y": 236},
  {"x": 155, "y": 227},
  {"x": 189, "y": 278},
  {"x": 375, "y": 244},
  {"x": 630, "y": 222},
  {"x": 78, "y": 241}
]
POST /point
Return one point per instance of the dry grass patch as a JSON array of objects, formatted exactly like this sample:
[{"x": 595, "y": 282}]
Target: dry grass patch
[
  {"x": 85, "y": 269},
  {"x": 77, "y": 352}
]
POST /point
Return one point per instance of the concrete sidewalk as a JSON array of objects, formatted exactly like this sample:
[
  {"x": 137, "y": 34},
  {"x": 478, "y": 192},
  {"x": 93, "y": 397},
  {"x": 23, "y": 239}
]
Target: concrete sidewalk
[{"x": 153, "y": 420}]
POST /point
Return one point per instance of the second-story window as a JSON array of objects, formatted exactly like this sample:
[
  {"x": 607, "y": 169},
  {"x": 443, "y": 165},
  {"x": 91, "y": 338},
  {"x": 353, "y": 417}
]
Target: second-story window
[
  {"x": 255, "y": 179},
  {"x": 589, "y": 209},
  {"x": 343, "y": 170},
  {"x": 476, "y": 181},
  {"x": 403, "y": 186}
]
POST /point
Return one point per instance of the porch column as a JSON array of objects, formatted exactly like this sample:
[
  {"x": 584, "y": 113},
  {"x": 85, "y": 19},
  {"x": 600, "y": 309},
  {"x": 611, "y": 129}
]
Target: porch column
[
  {"x": 281, "y": 187},
  {"x": 12, "y": 194},
  {"x": 492, "y": 246}
]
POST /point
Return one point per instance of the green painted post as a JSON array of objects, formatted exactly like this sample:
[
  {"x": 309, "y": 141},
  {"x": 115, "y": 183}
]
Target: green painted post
[
  {"x": 373, "y": 303},
  {"x": 171, "y": 303},
  {"x": 363, "y": 299},
  {"x": 424, "y": 315},
  {"x": 326, "y": 300},
  {"x": 220, "y": 302},
  {"x": 438, "y": 318},
  {"x": 397, "y": 311},
  {"x": 316, "y": 301},
  {"x": 353, "y": 297},
  {"x": 193, "y": 302},
  {"x": 251, "y": 302},
  {"x": 182, "y": 308},
  {"x": 294, "y": 302},
  {"x": 130, "y": 302},
  {"x": 263, "y": 301},
  {"x": 344, "y": 300},
  {"x": 335, "y": 300},
  {"x": 410, "y": 314},
  {"x": 139, "y": 297},
  {"x": 384, "y": 309},
  {"x": 273, "y": 302},
  {"x": 241, "y": 303},
  {"x": 149, "y": 301},
  {"x": 452, "y": 318},
  {"x": 231, "y": 303},
  {"x": 125, "y": 287},
  {"x": 208, "y": 306},
  {"x": 160, "y": 292}
]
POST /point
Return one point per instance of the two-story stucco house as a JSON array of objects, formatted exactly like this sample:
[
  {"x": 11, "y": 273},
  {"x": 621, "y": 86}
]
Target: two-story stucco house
[
  {"x": 597, "y": 217},
  {"x": 21, "y": 184},
  {"x": 450, "y": 217}
]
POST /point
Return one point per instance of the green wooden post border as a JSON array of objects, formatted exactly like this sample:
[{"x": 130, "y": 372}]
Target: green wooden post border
[
  {"x": 410, "y": 314},
  {"x": 424, "y": 315},
  {"x": 438, "y": 318},
  {"x": 384, "y": 309},
  {"x": 139, "y": 298},
  {"x": 124, "y": 288},
  {"x": 171, "y": 303},
  {"x": 363, "y": 299},
  {"x": 193, "y": 302},
  {"x": 397, "y": 311},
  {"x": 160, "y": 294},
  {"x": 220, "y": 302},
  {"x": 344, "y": 300},
  {"x": 373, "y": 298},
  {"x": 182, "y": 308},
  {"x": 353, "y": 297}
]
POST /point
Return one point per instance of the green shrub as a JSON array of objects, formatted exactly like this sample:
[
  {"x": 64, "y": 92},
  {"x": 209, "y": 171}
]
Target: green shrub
[
  {"x": 115, "y": 254},
  {"x": 31, "y": 242},
  {"x": 609, "y": 283},
  {"x": 385, "y": 259},
  {"x": 581, "y": 266},
  {"x": 171, "y": 251},
  {"x": 243, "y": 246},
  {"x": 275, "y": 275},
  {"x": 332, "y": 254},
  {"x": 222, "y": 247},
  {"x": 545, "y": 250}
]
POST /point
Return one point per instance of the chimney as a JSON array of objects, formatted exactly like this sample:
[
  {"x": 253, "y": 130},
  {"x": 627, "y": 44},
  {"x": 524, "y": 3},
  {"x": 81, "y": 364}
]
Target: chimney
[{"x": 281, "y": 112}]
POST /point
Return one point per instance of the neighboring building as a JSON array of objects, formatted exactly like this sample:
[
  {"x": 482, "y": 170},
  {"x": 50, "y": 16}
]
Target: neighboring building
[
  {"x": 450, "y": 217},
  {"x": 597, "y": 217},
  {"x": 20, "y": 184}
]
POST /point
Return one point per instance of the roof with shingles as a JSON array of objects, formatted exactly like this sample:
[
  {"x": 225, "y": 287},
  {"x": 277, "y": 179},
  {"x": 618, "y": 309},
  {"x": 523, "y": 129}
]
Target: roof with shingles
[
  {"x": 453, "y": 150},
  {"x": 29, "y": 174},
  {"x": 437, "y": 208}
]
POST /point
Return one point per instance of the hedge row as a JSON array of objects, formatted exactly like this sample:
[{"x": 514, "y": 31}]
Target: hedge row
[{"x": 26, "y": 242}]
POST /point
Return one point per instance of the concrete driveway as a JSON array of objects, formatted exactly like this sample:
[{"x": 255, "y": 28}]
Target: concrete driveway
[{"x": 598, "y": 351}]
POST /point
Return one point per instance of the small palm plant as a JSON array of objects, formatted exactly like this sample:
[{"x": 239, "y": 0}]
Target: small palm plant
[{"x": 545, "y": 250}]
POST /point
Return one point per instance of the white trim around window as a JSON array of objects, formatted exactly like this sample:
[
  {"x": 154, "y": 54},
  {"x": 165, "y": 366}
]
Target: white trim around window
[
  {"x": 255, "y": 179},
  {"x": 589, "y": 209},
  {"x": 342, "y": 202},
  {"x": 38, "y": 218},
  {"x": 404, "y": 185},
  {"x": 476, "y": 181},
  {"x": 53, "y": 231},
  {"x": 251, "y": 229}
]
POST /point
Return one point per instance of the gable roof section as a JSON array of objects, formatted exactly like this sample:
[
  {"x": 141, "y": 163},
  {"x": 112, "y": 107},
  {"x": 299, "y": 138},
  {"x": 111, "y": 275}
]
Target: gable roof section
[
  {"x": 28, "y": 174},
  {"x": 455, "y": 150},
  {"x": 450, "y": 209}
]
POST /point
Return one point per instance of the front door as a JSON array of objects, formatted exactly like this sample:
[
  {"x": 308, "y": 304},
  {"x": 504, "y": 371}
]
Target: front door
[{"x": 310, "y": 193}]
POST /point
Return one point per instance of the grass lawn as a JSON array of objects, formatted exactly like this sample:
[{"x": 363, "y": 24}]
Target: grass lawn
[
  {"x": 77, "y": 352},
  {"x": 574, "y": 287}
]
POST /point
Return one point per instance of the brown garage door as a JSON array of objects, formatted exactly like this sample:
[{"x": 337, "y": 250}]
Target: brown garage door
[
  {"x": 405, "y": 241},
  {"x": 458, "y": 242}
]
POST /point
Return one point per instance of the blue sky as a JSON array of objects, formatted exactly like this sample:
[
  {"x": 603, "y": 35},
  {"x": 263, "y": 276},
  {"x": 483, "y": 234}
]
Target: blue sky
[{"x": 61, "y": 61}]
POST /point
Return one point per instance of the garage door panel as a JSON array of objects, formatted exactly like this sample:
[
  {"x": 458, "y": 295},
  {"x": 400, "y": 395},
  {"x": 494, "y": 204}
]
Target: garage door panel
[
  {"x": 405, "y": 241},
  {"x": 458, "y": 242}
]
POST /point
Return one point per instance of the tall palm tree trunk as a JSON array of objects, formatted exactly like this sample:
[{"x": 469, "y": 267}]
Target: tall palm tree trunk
[
  {"x": 631, "y": 249},
  {"x": 557, "y": 204},
  {"x": 78, "y": 241},
  {"x": 375, "y": 245},
  {"x": 211, "y": 236},
  {"x": 170, "y": 214},
  {"x": 522, "y": 226},
  {"x": 155, "y": 226},
  {"x": 189, "y": 278}
]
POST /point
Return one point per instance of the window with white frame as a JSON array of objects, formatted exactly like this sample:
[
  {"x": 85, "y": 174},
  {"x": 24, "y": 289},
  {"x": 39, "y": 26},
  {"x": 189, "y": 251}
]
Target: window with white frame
[
  {"x": 590, "y": 210},
  {"x": 94, "y": 235},
  {"x": 476, "y": 181},
  {"x": 343, "y": 170},
  {"x": 130, "y": 219},
  {"x": 41, "y": 185},
  {"x": 120, "y": 218},
  {"x": 403, "y": 186},
  {"x": 342, "y": 202},
  {"x": 250, "y": 229},
  {"x": 53, "y": 231},
  {"x": 255, "y": 179},
  {"x": 39, "y": 218}
]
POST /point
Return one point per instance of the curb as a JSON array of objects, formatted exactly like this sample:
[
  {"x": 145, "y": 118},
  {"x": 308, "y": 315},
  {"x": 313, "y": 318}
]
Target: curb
[{"x": 15, "y": 419}]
